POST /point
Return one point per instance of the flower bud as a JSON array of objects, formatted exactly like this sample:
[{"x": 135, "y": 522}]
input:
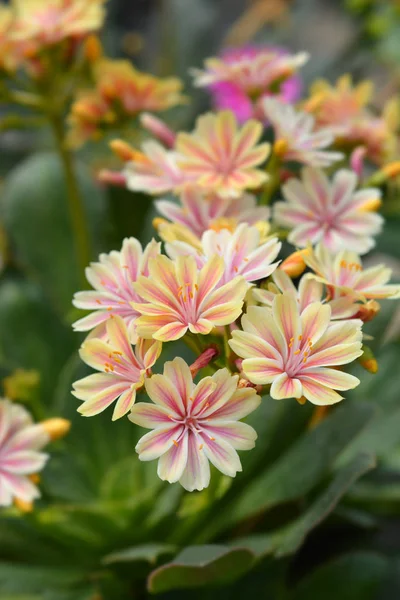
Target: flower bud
[
  {"x": 93, "y": 49},
  {"x": 368, "y": 361},
  {"x": 294, "y": 264},
  {"x": 368, "y": 311},
  {"x": 23, "y": 505},
  {"x": 159, "y": 129},
  {"x": 123, "y": 150},
  {"x": 56, "y": 428}
]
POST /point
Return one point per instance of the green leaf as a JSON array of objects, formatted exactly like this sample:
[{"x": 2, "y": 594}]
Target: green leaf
[
  {"x": 147, "y": 552},
  {"x": 199, "y": 566},
  {"x": 288, "y": 539},
  {"x": 352, "y": 577},
  {"x": 304, "y": 464},
  {"x": 32, "y": 337},
  {"x": 36, "y": 216},
  {"x": 26, "y": 579}
]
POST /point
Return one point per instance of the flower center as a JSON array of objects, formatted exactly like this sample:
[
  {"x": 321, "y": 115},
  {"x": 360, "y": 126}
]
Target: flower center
[{"x": 298, "y": 353}]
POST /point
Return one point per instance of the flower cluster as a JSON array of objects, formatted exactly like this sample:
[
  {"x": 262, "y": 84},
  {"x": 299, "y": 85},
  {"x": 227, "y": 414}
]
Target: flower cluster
[
  {"x": 218, "y": 282},
  {"x": 120, "y": 93}
]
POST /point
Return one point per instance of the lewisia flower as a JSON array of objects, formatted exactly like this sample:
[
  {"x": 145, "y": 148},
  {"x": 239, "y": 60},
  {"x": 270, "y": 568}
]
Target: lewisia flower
[
  {"x": 242, "y": 76},
  {"x": 199, "y": 212},
  {"x": 222, "y": 158},
  {"x": 296, "y": 137},
  {"x": 112, "y": 278},
  {"x": 122, "y": 371},
  {"x": 243, "y": 252},
  {"x": 194, "y": 424},
  {"x": 20, "y": 458},
  {"x": 154, "y": 170},
  {"x": 121, "y": 92},
  {"x": 177, "y": 297},
  {"x": 310, "y": 290},
  {"x": 47, "y": 22},
  {"x": 344, "y": 275},
  {"x": 298, "y": 352},
  {"x": 332, "y": 212},
  {"x": 133, "y": 91},
  {"x": 344, "y": 108}
]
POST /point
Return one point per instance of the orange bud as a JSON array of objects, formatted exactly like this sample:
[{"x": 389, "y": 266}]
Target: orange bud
[
  {"x": 368, "y": 311},
  {"x": 123, "y": 150},
  {"x": 294, "y": 264},
  {"x": 93, "y": 49},
  {"x": 23, "y": 505},
  {"x": 392, "y": 169},
  {"x": 280, "y": 147},
  {"x": 302, "y": 400},
  {"x": 368, "y": 361},
  {"x": 371, "y": 205},
  {"x": 56, "y": 428}
]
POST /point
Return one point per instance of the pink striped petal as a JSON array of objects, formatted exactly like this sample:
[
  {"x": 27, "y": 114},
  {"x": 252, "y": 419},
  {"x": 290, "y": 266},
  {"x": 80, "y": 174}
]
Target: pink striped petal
[
  {"x": 172, "y": 464},
  {"x": 149, "y": 415},
  {"x": 181, "y": 378},
  {"x": 243, "y": 402},
  {"x": 157, "y": 442},
  {"x": 221, "y": 454},
  {"x": 239, "y": 435},
  {"x": 261, "y": 370},
  {"x": 286, "y": 387},
  {"x": 332, "y": 378},
  {"x": 163, "y": 392},
  {"x": 196, "y": 475},
  {"x": 124, "y": 404},
  {"x": 319, "y": 394}
]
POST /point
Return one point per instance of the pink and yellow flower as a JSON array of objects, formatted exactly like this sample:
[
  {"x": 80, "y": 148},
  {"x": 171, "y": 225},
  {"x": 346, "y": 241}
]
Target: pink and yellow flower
[
  {"x": 154, "y": 170},
  {"x": 122, "y": 370},
  {"x": 310, "y": 290},
  {"x": 199, "y": 212},
  {"x": 344, "y": 108},
  {"x": 47, "y": 22},
  {"x": 21, "y": 441},
  {"x": 112, "y": 279},
  {"x": 243, "y": 252},
  {"x": 344, "y": 275},
  {"x": 242, "y": 76},
  {"x": 120, "y": 93},
  {"x": 296, "y": 351},
  {"x": 296, "y": 137},
  {"x": 194, "y": 424},
  {"x": 331, "y": 212},
  {"x": 222, "y": 158},
  {"x": 177, "y": 297}
]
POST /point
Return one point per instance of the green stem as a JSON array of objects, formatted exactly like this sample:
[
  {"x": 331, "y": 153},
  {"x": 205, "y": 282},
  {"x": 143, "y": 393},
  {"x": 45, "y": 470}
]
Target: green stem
[
  {"x": 76, "y": 207},
  {"x": 272, "y": 184}
]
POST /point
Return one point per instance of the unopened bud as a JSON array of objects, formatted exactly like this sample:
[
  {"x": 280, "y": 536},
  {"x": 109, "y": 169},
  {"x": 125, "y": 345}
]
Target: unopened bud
[
  {"x": 23, "y": 505},
  {"x": 123, "y": 150},
  {"x": 392, "y": 169},
  {"x": 368, "y": 311},
  {"x": 21, "y": 384},
  {"x": 280, "y": 147},
  {"x": 294, "y": 265},
  {"x": 302, "y": 400},
  {"x": 371, "y": 205},
  {"x": 204, "y": 359},
  {"x": 368, "y": 361},
  {"x": 319, "y": 414},
  {"x": 357, "y": 160},
  {"x": 159, "y": 129},
  {"x": 112, "y": 178},
  {"x": 93, "y": 49},
  {"x": 56, "y": 428}
]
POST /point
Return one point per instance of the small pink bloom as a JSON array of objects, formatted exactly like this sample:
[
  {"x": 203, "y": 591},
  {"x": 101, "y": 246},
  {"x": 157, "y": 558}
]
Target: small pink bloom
[
  {"x": 155, "y": 170},
  {"x": 199, "y": 212},
  {"x": 177, "y": 297},
  {"x": 345, "y": 276},
  {"x": 242, "y": 76},
  {"x": 298, "y": 352},
  {"x": 310, "y": 290},
  {"x": 242, "y": 252},
  {"x": 220, "y": 157},
  {"x": 194, "y": 424},
  {"x": 295, "y": 130},
  {"x": 112, "y": 278},
  {"x": 20, "y": 443},
  {"x": 122, "y": 371},
  {"x": 158, "y": 129},
  {"x": 332, "y": 212}
]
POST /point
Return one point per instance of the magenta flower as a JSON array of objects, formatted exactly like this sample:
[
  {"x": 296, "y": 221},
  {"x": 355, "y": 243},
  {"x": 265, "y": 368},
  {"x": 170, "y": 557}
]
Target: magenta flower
[
  {"x": 122, "y": 370},
  {"x": 296, "y": 136},
  {"x": 20, "y": 443},
  {"x": 112, "y": 278},
  {"x": 199, "y": 212},
  {"x": 331, "y": 212},
  {"x": 310, "y": 290},
  {"x": 194, "y": 424},
  {"x": 177, "y": 297},
  {"x": 345, "y": 276},
  {"x": 241, "y": 77},
  {"x": 243, "y": 252},
  {"x": 298, "y": 352}
]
